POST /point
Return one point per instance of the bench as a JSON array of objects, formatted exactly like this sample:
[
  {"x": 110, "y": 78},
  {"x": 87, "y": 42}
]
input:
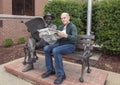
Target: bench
[
  {"x": 83, "y": 53},
  {"x": 83, "y": 49}
]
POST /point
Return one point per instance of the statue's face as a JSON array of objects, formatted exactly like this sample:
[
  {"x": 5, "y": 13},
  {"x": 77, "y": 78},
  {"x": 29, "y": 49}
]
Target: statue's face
[{"x": 48, "y": 20}]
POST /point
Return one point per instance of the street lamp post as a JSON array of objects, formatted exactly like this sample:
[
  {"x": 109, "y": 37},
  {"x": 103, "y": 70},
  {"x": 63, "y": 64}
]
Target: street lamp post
[{"x": 89, "y": 17}]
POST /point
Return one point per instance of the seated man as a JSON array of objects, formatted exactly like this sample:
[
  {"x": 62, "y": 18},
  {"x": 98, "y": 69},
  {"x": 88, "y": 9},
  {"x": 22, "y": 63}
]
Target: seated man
[
  {"x": 64, "y": 45},
  {"x": 37, "y": 43}
]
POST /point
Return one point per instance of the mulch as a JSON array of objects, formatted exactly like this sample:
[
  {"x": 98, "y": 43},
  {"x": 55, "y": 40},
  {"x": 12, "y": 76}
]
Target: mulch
[{"x": 106, "y": 62}]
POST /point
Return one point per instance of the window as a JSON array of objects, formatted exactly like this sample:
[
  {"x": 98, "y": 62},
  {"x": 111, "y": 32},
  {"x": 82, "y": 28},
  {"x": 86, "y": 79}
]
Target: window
[{"x": 23, "y": 7}]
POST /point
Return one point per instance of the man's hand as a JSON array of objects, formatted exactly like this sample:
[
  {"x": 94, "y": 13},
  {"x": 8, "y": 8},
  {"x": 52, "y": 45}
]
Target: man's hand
[{"x": 62, "y": 34}]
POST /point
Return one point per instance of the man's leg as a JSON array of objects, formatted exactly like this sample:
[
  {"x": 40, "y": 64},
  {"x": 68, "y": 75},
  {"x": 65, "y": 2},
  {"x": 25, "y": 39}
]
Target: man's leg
[
  {"x": 58, "y": 52},
  {"x": 48, "y": 60}
]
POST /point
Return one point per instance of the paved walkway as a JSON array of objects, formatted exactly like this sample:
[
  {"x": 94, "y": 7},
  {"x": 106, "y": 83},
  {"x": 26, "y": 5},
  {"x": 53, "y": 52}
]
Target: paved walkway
[{"x": 9, "y": 79}]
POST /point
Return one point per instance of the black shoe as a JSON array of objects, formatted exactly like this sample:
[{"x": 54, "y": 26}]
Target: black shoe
[
  {"x": 59, "y": 79},
  {"x": 48, "y": 73},
  {"x": 28, "y": 67}
]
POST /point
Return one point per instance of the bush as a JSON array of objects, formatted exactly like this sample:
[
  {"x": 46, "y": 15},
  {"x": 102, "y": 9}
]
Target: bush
[
  {"x": 107, "y": 26},
  {"x": 105, "y": 20},
  {"x": 8, "y": 42},
  {"x": 21, "y": 40},
  {"x": 74, "y": 8}
]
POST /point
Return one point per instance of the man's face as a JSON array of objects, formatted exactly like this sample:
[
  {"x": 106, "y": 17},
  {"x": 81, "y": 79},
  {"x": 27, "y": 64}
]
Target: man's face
[
  {"x": 65, "y": 18},
  {"x": 48, "y": 20}
]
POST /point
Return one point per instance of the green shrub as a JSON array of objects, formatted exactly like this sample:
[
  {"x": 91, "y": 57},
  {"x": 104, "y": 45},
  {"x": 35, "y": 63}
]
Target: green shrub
[
  {"x": 8, "y": 42},
  {"x": 74, "y": 8},
  {"x": 105, "y": 20},
  {"x": 107, "y": 26},
  {"x": 21, "y": 40}
]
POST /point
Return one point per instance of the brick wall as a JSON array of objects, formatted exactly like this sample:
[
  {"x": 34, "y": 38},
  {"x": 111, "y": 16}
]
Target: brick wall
[
  {"x": 12, "y": 28},
  {"x": 39, "y": 6}
]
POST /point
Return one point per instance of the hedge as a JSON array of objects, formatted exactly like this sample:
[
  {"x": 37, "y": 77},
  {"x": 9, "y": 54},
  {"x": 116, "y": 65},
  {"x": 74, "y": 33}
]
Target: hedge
[
  {"x": 105, "y": 20},
  {"x": 107, "y": 25},
  {"x": 73, "y": 8}
]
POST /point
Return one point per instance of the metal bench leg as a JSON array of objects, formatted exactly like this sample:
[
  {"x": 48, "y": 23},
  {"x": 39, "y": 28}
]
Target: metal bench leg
[
  {"x": 88, "y": 64},
  {"x": 83, "y": 69}
]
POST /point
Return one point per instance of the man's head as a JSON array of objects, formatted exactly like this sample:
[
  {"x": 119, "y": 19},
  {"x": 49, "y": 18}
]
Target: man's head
[
  {"x": 65, "y": 18},
  {"x": 48, "y": 18}
]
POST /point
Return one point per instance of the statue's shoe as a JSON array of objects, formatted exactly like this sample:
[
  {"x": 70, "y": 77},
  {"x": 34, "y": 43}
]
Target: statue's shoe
[
  {"x": 31, "y": 61},
  {"x": 28, "y": 68}
]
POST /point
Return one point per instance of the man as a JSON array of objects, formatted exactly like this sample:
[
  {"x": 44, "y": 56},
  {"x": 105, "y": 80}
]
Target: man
[
  {"x": 34, "y": 44},
  {"x": 64, "y": 45}
]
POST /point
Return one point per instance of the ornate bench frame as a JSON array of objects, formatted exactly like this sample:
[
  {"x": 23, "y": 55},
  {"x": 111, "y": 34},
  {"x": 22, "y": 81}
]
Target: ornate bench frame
[{"x": 83, "y": 53}]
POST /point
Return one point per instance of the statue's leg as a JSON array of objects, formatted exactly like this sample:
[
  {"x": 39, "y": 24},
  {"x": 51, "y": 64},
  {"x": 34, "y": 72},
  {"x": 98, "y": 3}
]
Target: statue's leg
[
  {"x": 36, "y": 57},
  {"x": 31, "y": 55},
  {"x": 26, "y": 54}
]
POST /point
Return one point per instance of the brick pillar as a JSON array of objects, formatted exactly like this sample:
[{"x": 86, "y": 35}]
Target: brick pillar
[
  {"x": 7, "y": 6},
  {"x": 39, "y": 7}
]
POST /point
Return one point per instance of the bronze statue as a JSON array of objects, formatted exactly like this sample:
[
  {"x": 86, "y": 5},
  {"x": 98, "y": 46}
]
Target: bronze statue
[{"x": 35, "y": 42}]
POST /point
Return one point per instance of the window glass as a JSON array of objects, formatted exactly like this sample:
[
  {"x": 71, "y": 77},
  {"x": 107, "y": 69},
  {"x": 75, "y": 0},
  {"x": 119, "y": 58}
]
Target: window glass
[{"x": 23, "y": 7}]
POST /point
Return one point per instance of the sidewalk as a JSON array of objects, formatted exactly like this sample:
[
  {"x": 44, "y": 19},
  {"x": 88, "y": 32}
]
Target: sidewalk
[{"x": 9, "y": 79}]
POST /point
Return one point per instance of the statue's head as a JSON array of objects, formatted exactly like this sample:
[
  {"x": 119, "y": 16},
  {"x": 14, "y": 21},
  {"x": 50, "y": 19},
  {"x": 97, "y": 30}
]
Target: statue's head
[{"x": 48, "y": 18}]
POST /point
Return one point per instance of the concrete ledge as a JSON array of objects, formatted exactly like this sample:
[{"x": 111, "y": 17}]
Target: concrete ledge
[{"x": 72, "y": 70}]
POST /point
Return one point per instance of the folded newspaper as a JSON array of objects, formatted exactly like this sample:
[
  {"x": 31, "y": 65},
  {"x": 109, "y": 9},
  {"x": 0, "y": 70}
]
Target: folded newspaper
[{"x": 49, "y": 35}]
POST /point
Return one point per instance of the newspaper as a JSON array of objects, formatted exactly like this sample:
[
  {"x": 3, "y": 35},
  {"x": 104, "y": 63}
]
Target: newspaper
[{"x": 49, "y": 35}]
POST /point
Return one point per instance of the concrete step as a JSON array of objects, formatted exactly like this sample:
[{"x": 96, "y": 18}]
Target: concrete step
[
  {"x": 72, "y": 70},
  {"x": 95, "y": 58}
]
